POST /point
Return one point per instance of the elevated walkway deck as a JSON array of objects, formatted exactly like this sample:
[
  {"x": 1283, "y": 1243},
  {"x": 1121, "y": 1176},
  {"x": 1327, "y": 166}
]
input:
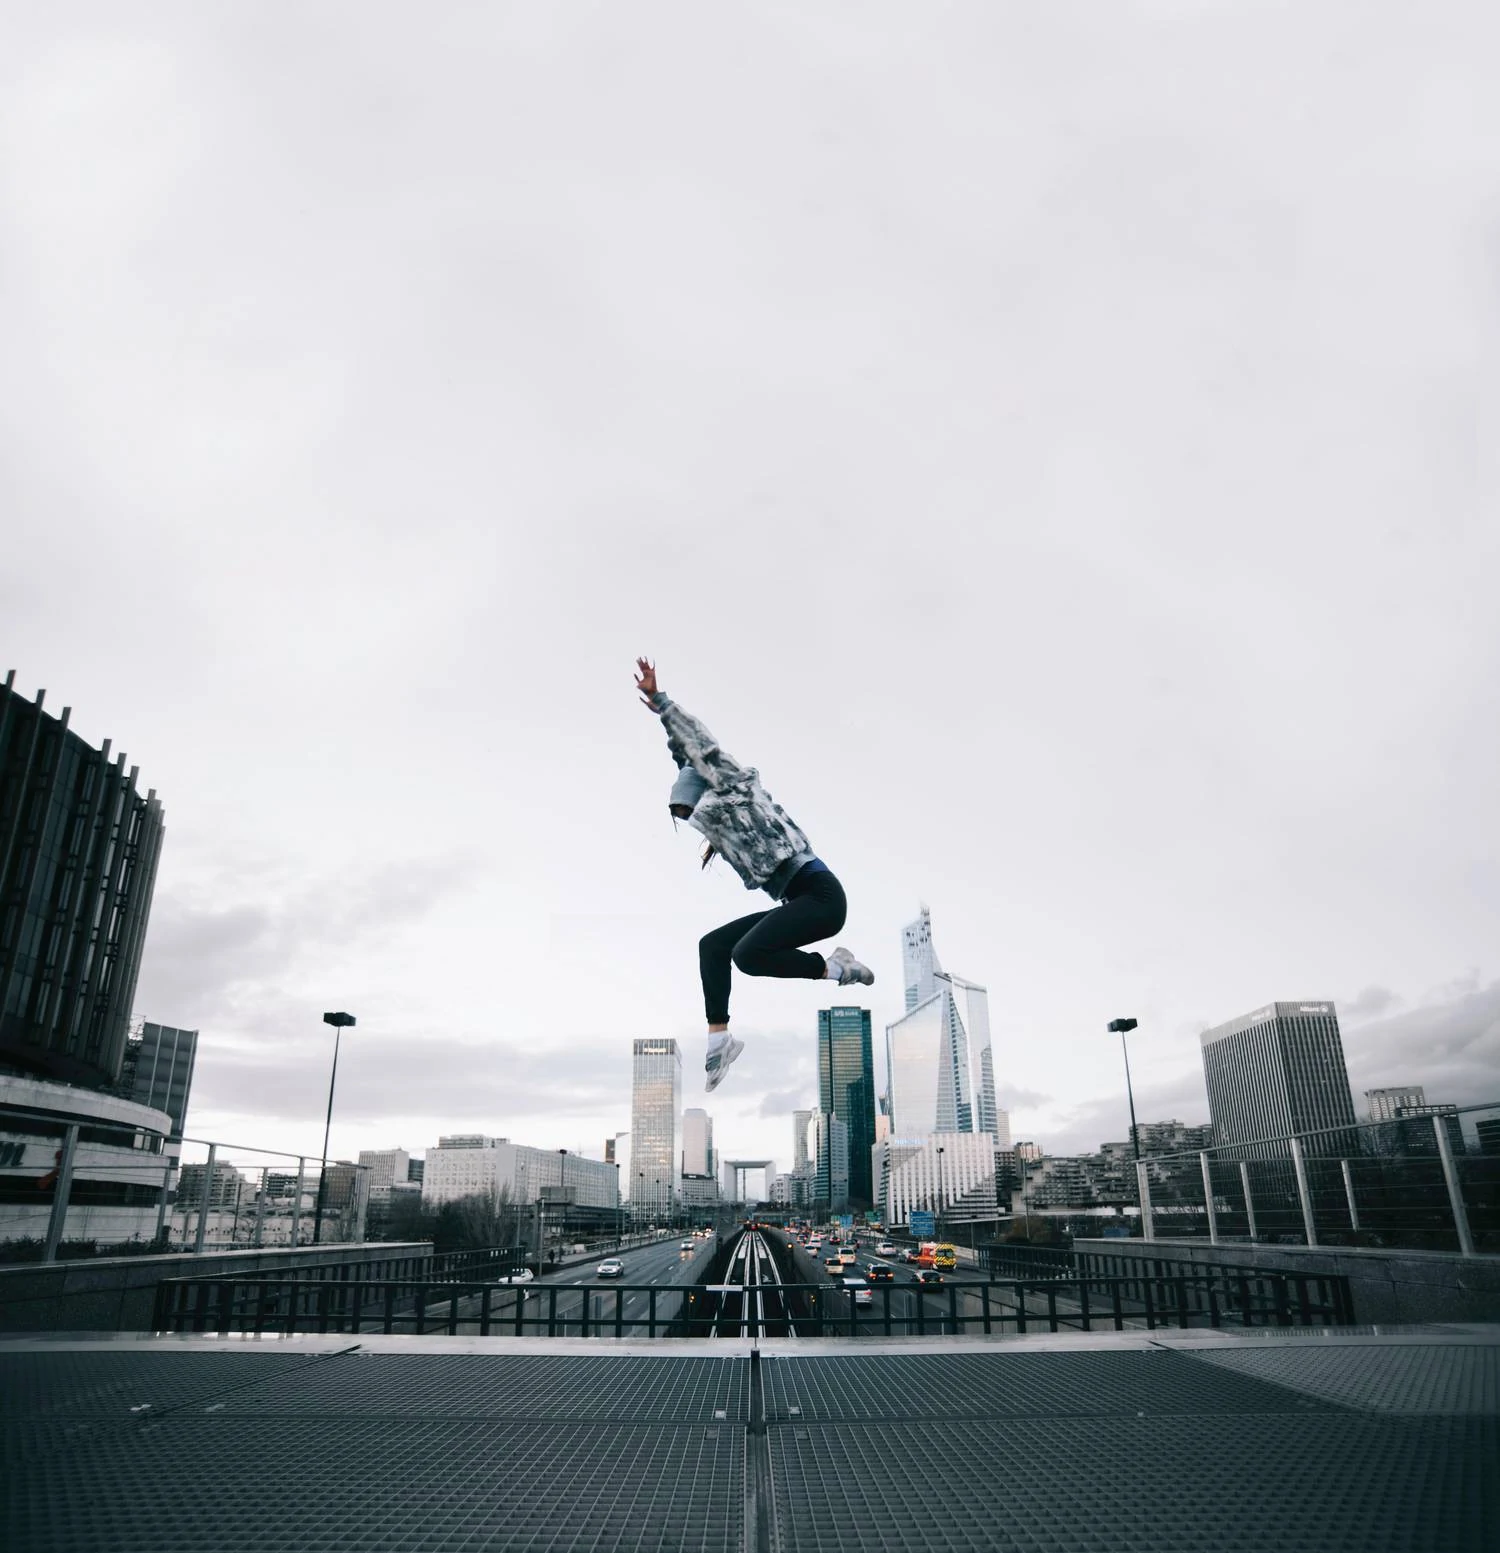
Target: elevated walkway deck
[{"x": 1196, "y": 1441}]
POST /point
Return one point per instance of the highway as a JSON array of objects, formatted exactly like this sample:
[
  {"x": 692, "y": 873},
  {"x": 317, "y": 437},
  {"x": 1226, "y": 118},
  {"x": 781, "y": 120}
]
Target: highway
[{"x": 905, "y": 1293}]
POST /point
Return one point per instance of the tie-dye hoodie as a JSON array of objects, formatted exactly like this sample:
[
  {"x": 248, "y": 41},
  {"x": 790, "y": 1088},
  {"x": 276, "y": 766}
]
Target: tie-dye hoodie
[{"x": 748, "y": 828}]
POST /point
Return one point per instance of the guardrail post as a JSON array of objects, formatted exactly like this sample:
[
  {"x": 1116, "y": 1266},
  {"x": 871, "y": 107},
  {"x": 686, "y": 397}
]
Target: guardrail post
[
  {"x": 208, "y": 1187},
  {"x": 1143, "y": 1188},
  {"x": 1249, "y": 1200},
  {"x": 297, "y": 1200},
  {"x": 61, "y": 1190},
  {"x": 1455, "y": 1187},
  {"x": 1208, "y": 1199},
  {"x": 1304, "y": 1196},
  {"x": 1349, "y": 1193}
]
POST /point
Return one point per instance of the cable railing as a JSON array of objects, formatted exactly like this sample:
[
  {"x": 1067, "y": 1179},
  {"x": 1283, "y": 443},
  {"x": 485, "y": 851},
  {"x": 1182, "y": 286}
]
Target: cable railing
[{"x": 1424, "y": 1180}]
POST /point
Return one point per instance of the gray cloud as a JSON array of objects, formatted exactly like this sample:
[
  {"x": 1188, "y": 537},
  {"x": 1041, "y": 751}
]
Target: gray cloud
[
  {"x": 1369, "y": 1004},
  {"x": 782, "y": 1102}
]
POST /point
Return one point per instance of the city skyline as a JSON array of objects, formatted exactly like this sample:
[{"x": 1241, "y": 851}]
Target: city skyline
[{"x": 1140, "y": 566}]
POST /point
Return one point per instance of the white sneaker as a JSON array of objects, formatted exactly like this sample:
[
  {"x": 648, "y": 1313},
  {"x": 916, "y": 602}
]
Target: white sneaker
[
  {"x": 722, "y": 1051},
  {"x": 850, "y": 969}
]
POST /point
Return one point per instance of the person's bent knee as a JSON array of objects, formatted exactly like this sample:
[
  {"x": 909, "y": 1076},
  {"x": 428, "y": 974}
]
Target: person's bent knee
[{"x": 747, "y": 960}]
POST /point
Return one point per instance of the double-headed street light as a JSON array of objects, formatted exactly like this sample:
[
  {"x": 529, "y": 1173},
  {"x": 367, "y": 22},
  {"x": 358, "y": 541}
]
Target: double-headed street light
[{"x": 339, "y": 1022}]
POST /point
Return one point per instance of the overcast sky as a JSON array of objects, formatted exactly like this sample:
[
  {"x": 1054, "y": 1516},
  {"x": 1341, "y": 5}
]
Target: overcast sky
[{"x": 1054, "y": 443}]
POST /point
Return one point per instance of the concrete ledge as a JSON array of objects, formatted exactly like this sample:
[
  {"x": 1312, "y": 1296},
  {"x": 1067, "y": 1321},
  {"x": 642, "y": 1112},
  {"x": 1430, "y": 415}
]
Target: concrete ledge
[{"x": 1387, "y": 1286}]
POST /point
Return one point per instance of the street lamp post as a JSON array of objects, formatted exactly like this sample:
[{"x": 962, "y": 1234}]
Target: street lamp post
[
  {"x": 1121, "y": 1026},
  {"x": 340, "y": 1022},
  {"x": 562, "y": 1191},
  {"x": 937, "y": 1223}
]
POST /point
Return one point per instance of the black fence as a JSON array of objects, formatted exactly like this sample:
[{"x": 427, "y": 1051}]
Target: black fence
[{"x": 1167, "y": 1298}]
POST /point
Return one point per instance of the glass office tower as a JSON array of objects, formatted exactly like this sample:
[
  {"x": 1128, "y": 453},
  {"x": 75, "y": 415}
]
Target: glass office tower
[
  {"x": 846, "y": 1087},
  {"x": 656, "y": 1127}
]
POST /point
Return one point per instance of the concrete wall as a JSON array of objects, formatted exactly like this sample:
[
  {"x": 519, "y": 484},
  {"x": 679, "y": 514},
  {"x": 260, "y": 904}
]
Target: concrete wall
[
  {"x": 1386, "y": 1286},
  {"x": 118, "y": 1294}
]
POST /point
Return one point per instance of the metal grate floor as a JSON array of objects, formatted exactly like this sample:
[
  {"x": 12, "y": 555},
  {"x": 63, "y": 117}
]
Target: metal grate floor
[
  {"x": 989, "y": 1384},
  {"x": 1431, "y": 1379},
  {"x": 264, "y": 1485},
  {"x": 1333, "y": 1483},
  {"x": 1121, "y": 1445}
]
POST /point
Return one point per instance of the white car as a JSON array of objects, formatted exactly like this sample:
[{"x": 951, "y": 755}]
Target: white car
[
  {"x": 887, "y": 1248},
  {"x": 858, "y": 1291},
  {"x": 525, "y": 1275},
  {"x": 610, "y": 1267}
]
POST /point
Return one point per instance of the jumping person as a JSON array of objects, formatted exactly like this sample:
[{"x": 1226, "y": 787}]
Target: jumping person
[{"x": 758, "y": 839}]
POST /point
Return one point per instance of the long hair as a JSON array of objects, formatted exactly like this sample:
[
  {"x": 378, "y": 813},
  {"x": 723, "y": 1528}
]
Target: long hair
[{"x": 709, "y": 852}]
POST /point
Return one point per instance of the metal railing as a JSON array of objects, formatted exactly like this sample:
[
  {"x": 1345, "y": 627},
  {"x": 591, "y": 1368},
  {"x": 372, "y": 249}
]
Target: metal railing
[
  {"x": 1417, "y": 1182},
  {"x": 1142, "y": 1298}
]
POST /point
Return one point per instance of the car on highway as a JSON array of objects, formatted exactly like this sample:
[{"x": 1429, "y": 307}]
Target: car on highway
[
  {"x": 858, "y": 1291},
  {"x": 834, "y": 1265},
  {"x": 687, "y": 1245},
  {"x": 910, "y": 1254},
  {"x": 880, "y": 1272},
  {"x": 610, "y": 1267},
  {"x": 887, "y": 1248},
  {"x": 521, "y": 1275},
  {"x": 927, "y": 1275}
]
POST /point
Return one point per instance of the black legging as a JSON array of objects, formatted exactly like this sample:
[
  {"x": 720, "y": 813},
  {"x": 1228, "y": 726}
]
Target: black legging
[{"x": 766, "y": 943}]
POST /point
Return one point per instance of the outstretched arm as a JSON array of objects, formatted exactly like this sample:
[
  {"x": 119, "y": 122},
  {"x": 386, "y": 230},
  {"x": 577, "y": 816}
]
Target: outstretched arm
[{"x": 689, "y": 741}]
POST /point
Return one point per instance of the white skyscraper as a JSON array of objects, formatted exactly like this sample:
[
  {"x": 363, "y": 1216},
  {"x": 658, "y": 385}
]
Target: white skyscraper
[{"x": 927, "y": 1051}]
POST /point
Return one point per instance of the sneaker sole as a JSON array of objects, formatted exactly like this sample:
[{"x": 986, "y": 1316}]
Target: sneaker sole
[{"x": 725, "y": 1063}]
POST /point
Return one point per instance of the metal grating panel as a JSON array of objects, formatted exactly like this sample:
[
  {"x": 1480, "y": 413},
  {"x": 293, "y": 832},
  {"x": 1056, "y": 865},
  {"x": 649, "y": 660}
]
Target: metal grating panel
[
  {"x": 543, "y": 1386},
  {"x": 1335, "y": 1483},
  {"x": 105, "y": 1384},
  {"x": 1424, "y": 1378},
  {"x": 262, "y": 1485},
  {"x": 987, "y": 1385}
]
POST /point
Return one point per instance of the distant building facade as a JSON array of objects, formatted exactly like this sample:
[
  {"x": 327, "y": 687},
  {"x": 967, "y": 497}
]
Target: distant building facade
[
  {"x": 79, "y": 846},
  {"x": 1383, "y": 1104},
  {"x": 831, "y": 1156},
  {"x": 950, "y": 1174},
  {"x": 1278, "y": 1071},
  {"x": 466, "y": 1164}
]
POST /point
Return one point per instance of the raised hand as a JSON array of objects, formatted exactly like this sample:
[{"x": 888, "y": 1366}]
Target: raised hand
[{"x": 645, "y": 679}]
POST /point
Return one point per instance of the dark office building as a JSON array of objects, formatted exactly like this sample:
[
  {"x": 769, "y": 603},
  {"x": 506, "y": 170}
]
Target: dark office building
[
  {"x": 1276, "y": 1072},
  {"x": 846, "y": 1087},
  {"x": 158, "y": 1071},
  {"x": 78, "y": 853}
]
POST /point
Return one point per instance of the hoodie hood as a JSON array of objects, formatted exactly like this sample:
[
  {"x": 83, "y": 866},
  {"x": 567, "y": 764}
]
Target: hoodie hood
[{"x": 688, "y": 788}]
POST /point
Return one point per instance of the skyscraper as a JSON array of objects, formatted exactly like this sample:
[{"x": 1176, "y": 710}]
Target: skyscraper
[
  {"x": 78, "y": 851},
  {"x": 846, "y": 1088},
  {"x": 697, "y": 1142},
  {"x": 656, "y": 1124},
  {"x": 927, "y": 1050},
  {"x": 1277, "y": 1071}
]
